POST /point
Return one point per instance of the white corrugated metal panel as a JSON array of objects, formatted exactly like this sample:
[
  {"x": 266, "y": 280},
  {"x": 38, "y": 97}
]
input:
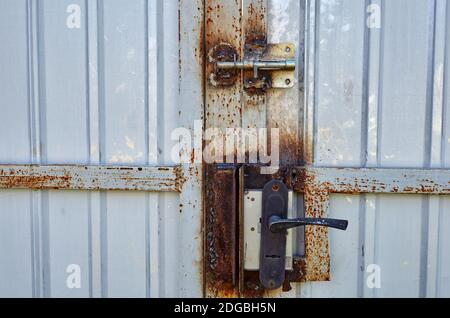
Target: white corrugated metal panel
[
  {"x": 380, "y": 99},
  {"x": 105, "y": 91}
]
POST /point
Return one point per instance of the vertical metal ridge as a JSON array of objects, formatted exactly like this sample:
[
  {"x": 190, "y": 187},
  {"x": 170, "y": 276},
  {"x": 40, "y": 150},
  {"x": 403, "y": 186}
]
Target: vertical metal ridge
[
  {"x": 377, "y": 231},
  {"x": 440, "y": 252},
  {"x": 428, "y": 133},
  {"x": 146, "y": 83},
  {"x": 152, "y": 209},
  {"x": 36, "y": 245},
  {"x": 90, "y": 248},
  {"x": 88, "y": 83},
  {"x": 102, "y": 145},
  {"x": 33, "y": 82},
  {"x": 101, "y": 81},
  {"x": 361, "y": 238},
  {"x": 364, "y": 152},
  {"x": 315, "y": 115},
  {"x": 365, "y": 92},
  {"x": 88, "y": 144},
  {"x": 45, "y": 236},
  {"x": 160, "y": 50},
  {"x": 438, "y": 143},
  {"x": 92, "y": 73},
  {"x": 147, "y": 247},
  {"x": 152, "y": 81},
  {"x": 428, "y": 140},
  {"x": 30, "y": 84},
  {"x": 160, "y": 43},
  {"x": 302, "y": 80},
  {"x": 104, "y": 244},
  {"x": 380, "y": 83},
  {"x": 30, "y": 99},
  {"x": 35, "y": 103},
  {"x": 309, "y": 82},
  {"x": 191, "y": 107},
  {"x": 446, "y": 88},
  {"x": 44, "y": 200},
  {"x": 423, "y": 267},
  {"x": 147, "y": 147},
  {"x": 41, "y": 82}
]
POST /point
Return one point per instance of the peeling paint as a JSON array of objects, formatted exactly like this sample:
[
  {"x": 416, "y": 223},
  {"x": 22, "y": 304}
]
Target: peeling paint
[{"x": 170, "y": 179}]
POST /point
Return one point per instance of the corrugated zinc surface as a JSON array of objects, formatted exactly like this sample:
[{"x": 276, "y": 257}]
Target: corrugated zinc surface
[
  {"x": 95, "y": 82},
  {"x": 379, "y": 95}
]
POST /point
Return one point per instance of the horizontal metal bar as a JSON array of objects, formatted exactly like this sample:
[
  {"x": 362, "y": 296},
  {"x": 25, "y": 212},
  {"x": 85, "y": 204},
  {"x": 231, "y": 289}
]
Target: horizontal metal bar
[
  {"x": 259, "y": 64},
  {"x": 375, "y": 180},
  {"x": 73, "y": 177}
]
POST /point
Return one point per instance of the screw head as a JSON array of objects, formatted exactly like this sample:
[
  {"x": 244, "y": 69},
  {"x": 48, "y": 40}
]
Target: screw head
[
  {"x": 288, "y": 81},
  {"x": 288, "y": 49}
]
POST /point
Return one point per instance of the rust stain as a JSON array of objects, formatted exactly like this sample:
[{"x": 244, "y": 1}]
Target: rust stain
[
  {"x": 222, "y": 110},
  {"x": 255, "y": 88},
  {"x": 317, "y": 256},
  {"x": 223, "y": 78},
  {"x": 35, "y": 182},
  {"x": 299, "y": 269},
  {"x": 255, "y": 45},
  {"x": 91, "y": 178},
  {"x": 221, "y": 248},
  {"x": 180, "y": 178}
]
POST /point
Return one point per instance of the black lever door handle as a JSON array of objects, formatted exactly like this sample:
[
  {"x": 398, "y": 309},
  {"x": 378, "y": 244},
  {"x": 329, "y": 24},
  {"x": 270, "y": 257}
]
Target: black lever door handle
[
  {"x": 274, "y": 223},
  {"x": 278, "y": 224}
]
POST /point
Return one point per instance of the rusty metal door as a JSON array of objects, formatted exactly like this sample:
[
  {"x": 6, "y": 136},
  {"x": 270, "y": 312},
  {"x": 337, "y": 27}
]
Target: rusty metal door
[
  {"x": 363, "y": 135},
  {"x": 92, "y": 91},
  {"x": 248, "y": 23}
]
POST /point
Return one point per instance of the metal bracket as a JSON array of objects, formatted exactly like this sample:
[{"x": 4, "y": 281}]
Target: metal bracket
[{"x": 264, "y": 65}]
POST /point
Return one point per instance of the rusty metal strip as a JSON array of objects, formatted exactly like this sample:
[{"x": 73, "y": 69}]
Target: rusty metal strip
[
  {"x": 72, "y": 177},
  {"x": 375, "y": 180},
  {"x": 317, "y": 253},
  {"x": 318, "y": 183},
  {"x": 222, "y": 25},
  {"x": 223, "y": 109},
  {"x": 254, "y": 108},
  {"x": 406, "y": 181},
  {"x": 222, "y": 231}
]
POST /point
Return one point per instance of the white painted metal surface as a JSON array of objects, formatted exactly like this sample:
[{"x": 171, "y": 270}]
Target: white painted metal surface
[
  {"x": 104, "y": 89},
  {"x": 112, "y": 90},
  {"x": 378, "y": 97}
]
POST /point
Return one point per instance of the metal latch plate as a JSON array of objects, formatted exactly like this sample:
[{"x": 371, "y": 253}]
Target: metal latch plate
[
  {"x": 264, "y": 66},
  {"x": 286, "y": 51},
  {"x": 252, "y": 230}
]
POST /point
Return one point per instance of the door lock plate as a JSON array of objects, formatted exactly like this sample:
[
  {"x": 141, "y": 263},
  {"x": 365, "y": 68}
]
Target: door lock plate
[
  {"x": 273, "y": 244},
  {"x": 252, "y": 230},
  {"x": 264, "y": 65}
]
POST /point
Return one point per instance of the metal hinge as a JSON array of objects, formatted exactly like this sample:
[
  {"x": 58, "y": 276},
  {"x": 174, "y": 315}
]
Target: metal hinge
[{"x": 264, "y": 65}]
